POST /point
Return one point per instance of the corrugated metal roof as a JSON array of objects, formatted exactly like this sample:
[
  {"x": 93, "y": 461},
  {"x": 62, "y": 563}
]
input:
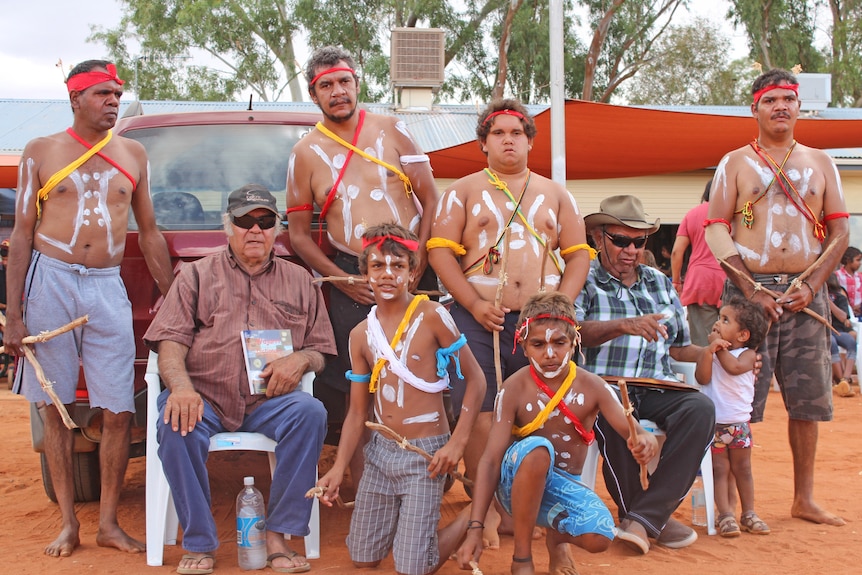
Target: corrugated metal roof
[{"x": 442, "y": 127}]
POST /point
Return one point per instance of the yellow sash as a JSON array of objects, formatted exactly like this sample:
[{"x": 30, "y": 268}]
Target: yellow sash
[
  {"x": 378, "y": 365},
  {"x": 61, "y": 175},
  {"x": 408, "y": 187},
  {"x": 543, "y": 415}
]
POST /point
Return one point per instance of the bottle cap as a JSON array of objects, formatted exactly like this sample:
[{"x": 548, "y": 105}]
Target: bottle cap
[{"x": 248, "y": 480}]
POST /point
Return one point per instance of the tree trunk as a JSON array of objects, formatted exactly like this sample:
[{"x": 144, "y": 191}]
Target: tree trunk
[
  {"x": 596, "y": 48},
  {"x": 503, "y": 53}
]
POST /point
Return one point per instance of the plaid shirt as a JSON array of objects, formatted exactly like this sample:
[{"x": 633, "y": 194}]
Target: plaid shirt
[{"x": 605, "y": 298}]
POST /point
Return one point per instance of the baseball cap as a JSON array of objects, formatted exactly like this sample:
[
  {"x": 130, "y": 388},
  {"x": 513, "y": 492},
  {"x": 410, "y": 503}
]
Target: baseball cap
[{"x": 250, "y": 197}]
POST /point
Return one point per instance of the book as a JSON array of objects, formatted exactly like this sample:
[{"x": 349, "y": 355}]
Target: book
[{"x": 260, "y": 347}]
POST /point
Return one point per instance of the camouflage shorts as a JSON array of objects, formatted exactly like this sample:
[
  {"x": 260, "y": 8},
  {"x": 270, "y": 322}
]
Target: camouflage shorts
[{"x": 797, "y": 351}]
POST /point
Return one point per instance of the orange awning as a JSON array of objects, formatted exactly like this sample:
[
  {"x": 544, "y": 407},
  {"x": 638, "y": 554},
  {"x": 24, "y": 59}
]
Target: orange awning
[{"x": 607, "y": 141}]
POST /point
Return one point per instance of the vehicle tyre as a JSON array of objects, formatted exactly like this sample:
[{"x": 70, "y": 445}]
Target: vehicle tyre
[{"x": 86, "y": 475}]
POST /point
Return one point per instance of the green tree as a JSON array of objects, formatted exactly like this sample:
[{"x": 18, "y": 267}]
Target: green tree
[
  {"x": 689, "y": 66},
  {"x": 845, "y": 59},
  {"x": 252, "y": 39},
  {"x": 780, "y": 32},
  {"x": 624, "y": 32}
]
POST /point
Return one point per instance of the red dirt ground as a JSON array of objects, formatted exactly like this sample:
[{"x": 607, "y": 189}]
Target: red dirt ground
[{"x": 794, "y": 546}]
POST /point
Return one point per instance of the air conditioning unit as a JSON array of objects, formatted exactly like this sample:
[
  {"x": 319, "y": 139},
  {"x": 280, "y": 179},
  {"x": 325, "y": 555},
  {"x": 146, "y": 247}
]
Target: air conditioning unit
[
  {"x": 417, "y": 58},
  {"x": 815, "y": 91}
]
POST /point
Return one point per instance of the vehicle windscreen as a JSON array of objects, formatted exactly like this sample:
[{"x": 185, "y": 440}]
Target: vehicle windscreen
[{"x": 193, "y": 169}]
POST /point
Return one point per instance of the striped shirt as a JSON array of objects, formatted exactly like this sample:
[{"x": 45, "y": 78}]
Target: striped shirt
[
  {"x": 213, "y": 299},
  {"x": 605, "y": 298}
]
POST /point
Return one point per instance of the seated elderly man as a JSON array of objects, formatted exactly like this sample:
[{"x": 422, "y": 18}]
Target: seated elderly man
[
  {"x": 632, "y": 324},
  {"x": 197, "y": 335}
]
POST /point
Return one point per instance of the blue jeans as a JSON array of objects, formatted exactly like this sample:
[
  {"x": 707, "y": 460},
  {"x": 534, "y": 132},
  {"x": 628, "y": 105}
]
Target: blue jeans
[{"x": 296, "y": 421}]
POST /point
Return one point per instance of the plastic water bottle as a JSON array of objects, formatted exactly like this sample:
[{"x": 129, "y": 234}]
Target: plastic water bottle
[
  {"x": 698, "y": 502},
  {"x": 250, "y": 527}
]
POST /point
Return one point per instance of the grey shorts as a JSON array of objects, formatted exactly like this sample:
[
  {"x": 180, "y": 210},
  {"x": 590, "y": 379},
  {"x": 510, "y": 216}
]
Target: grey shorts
[
  {"x": 797, "y": 351},
  {"x": 397, "y": 506},
  {"x": 56, "y": 293}
]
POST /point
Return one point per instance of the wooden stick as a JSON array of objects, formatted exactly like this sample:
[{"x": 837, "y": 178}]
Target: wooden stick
[
  {"x": 633, "y": 430},
  {"x": 318, "y": 491},
  {"x": 404, "y": 444},
  {"x": 475, "y": 567},
  {"x": 47, "y": 386},
  {"x": 542, "y": 271},
  {"x": 776, "y": 295},
  {"x": 804, "y": 275},
  {"x": 498, "y": 299}
]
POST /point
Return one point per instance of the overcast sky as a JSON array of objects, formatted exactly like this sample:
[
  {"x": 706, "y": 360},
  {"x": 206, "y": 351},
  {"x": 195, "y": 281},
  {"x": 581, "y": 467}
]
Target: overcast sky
[{"x": 35, "y": 34}]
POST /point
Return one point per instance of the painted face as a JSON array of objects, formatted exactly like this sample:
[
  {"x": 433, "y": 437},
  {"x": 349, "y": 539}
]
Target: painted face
[
  {"x": 726, "y": 326},
  {"x": 388, "y": 275},
  {"x": 777, "y": 110},
  {"x": 620, "y": 262},
  {"x": 253, "y": 246},
  {"x": 336, "y": 93},
  {"x": 507, "y": 143},
  {"x": 99, "y": 104},
  {"x": 548, "y": 348}
]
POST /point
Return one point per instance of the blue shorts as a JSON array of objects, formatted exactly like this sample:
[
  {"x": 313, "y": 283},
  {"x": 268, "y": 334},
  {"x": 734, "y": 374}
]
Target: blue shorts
[
  {"x": 56, "y": 293},
  {"x": 568, "y": 506}
]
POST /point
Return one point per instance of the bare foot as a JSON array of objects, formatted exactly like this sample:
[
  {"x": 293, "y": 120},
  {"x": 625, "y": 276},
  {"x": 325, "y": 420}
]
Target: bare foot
[
  {"x": 506, "y": 528},
  {"x": 119, "y": 539},
  {"x": 490, "y": 534},
  {"x": 64, "y": 544},
  {"x": 560, "y": 556},
  {"x": 814, "y": 513}
]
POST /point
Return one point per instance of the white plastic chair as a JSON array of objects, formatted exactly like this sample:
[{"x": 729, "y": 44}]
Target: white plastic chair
[
  {"x": 685, "y": 371},
  {"x": 162, "y": 520}
]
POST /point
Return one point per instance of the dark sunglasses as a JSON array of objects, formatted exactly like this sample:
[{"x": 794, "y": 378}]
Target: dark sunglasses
[
  {"x": 247, "y": 221},
  {"x": 622, "y": 241}
]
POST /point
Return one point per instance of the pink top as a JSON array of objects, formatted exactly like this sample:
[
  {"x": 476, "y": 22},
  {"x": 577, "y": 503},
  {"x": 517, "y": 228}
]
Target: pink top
[
  {"x": 852, "y": 284},
  {"x": 705, "y": 278}
]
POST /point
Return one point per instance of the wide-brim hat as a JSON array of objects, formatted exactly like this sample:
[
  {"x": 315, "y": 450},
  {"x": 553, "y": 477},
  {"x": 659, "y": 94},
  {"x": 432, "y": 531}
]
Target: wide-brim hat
[
  {"x": 622, "y": 211},
  {"x": 250, "y": 197}
]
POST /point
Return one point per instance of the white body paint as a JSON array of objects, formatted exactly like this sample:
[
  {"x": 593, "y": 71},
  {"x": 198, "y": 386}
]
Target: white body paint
[{"x": 424, "y": 418}]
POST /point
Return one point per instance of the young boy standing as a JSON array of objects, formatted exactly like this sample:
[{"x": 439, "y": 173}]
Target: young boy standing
[
  {"x": 399, "y": 356},
  {"x": 725, "y": 369},
  {"x": 548, "y": 408}
]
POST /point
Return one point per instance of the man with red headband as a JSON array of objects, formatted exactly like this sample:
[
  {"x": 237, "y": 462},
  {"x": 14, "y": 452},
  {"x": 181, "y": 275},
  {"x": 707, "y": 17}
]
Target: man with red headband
[
  {"x": 75, "y": 189},
  {"x": 778, "y": 225},
  {"x": 503, "y": 216},
  {"x": 360, "y": 169}
]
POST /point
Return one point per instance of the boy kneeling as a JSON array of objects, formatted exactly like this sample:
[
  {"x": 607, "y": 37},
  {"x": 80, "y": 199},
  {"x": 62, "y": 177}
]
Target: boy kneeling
[{"x": 549, "y": 409}]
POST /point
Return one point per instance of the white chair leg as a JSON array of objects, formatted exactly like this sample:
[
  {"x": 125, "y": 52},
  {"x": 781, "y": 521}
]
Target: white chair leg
[{"x": 708, "y": 491}]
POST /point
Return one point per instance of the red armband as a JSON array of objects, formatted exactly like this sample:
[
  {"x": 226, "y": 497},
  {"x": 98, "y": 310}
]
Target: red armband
[
  {"x": 302, "y": 208},
  {"x": 835, "y": 216},
  {"x": 717, "y": 221}
]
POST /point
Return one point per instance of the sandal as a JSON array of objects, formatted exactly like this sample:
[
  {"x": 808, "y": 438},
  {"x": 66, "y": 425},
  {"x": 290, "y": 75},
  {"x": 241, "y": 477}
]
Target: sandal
[
  {"x": 196, "y": 569},
  {"x": 843, "y": 388},
  {"x": 727, "y": 525},
  {"x": 751, "y": 523}
]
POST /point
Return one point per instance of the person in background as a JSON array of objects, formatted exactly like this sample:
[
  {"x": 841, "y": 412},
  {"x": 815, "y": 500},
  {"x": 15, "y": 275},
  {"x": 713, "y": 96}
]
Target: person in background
[
  {"x": 850, "y": 278},
  {"x": 700, "y": 290},
  {"x": 842, "y": 369}
]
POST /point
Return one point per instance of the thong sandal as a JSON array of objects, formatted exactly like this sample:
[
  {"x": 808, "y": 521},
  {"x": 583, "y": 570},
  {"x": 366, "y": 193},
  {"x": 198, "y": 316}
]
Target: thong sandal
[
  {"x": 727, "y": 525},
  {"x": 197, "y": 570},
  {"x": 751, "y": 523},
  {"x": 292, "y": 555}
]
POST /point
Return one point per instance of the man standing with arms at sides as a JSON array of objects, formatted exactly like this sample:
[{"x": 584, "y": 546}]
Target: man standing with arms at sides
[
  {"x": 504, "y": 212},
  {"x": 361, "y": 169},
  {"x": 75, "y": 189},
  {"x": 777, "y": 220}
]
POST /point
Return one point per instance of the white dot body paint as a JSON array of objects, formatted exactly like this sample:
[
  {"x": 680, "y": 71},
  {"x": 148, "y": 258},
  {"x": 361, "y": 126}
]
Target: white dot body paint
[
  {"x": 567, "y": 438},
  {"x": 565, "y": 455},
  {"x": 529, "y": 407},
  {"x": 388, "y": 393}
]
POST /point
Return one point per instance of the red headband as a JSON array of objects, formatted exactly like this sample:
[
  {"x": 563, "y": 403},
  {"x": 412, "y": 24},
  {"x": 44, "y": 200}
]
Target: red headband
[
  {"x": 526, "y": 325},
  {"x": 330, "y": 71},
  {"x": 411, "y": 245},
  {"x": 507, "y": 112},
  {"x": 84, "y": 80},
  {"x": 759, "y": 94}
]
